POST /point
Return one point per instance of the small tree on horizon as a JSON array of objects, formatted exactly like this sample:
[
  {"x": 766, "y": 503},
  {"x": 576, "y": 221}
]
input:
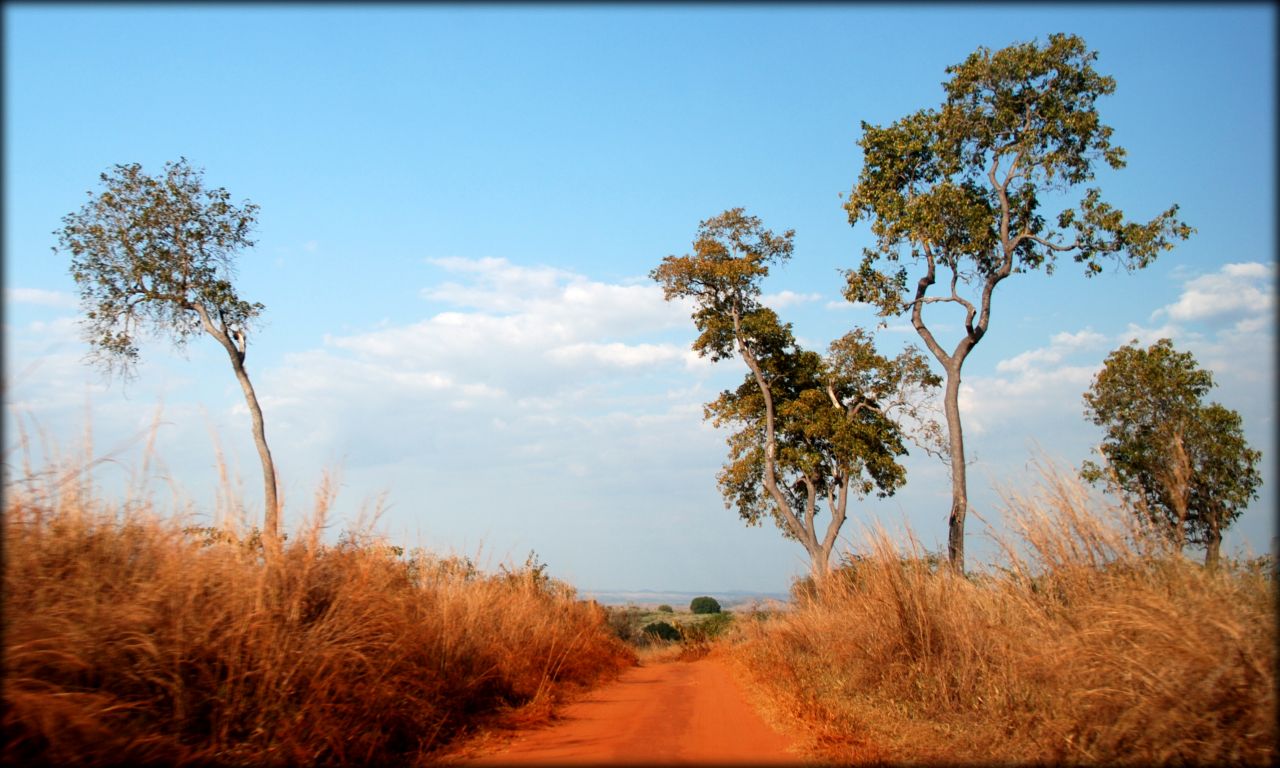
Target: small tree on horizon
[
  {"x": 1183, "y": 463},
  {"x": 704, "y": 604},
  {"x": 962, "y": 191},
  {"x": 156, "y": 256}
]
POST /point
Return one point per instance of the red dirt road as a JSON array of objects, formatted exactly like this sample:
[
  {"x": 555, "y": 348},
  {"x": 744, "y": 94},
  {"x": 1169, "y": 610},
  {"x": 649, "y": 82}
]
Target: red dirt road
[{"x": 672, "y": 712}]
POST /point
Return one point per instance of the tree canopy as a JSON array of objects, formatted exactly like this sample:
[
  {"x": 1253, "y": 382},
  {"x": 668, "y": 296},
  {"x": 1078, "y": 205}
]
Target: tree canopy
[
  {"x": 964, "y": 191},
  {"x": 810, "y": 431},
  {"x": 1183, "y": 462},
  {"x": 836, "y": 430},
  {"x": 156, "y": 255}
]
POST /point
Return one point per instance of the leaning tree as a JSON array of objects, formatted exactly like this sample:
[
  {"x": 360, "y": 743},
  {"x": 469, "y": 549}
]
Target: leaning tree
[
  {"x": 963, "y": 192},
  {"x": 1182, "y": 462},
  {"x": 156, "y": 255},
  {"x": 811, "y": 431}
]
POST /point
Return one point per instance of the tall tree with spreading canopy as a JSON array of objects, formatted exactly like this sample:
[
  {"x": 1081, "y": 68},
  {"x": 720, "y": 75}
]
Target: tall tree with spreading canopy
[
  {"x": 963, "y": 190},
  {"x": 156, "y": 255},
  {"x": 812, "y": 431},
  {"x": 1184, "y": 463}
]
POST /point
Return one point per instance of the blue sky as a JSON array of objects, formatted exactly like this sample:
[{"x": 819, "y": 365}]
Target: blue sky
[{"x": 459, "y": 207}]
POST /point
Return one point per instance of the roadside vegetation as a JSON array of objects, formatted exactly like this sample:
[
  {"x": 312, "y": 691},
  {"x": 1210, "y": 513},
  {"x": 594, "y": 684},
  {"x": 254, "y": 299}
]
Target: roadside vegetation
[
  {"x": 1092, "y": 641},
  {"x": 129, "y": 640},
  {"x": 664, "y": 633}
]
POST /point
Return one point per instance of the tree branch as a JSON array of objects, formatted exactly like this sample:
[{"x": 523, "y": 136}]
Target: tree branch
[
  {"x": 837, "y": 515},
  {"x": 1025, "y": 235},
  {"x": 831, "y": 392},
  {"x": 917, "y": 305},
  {"x": 217, "y": 333}
]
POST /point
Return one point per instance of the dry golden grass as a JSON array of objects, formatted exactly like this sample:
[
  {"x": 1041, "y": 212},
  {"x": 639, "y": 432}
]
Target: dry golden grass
[
  {"x": 1090, "y": 644},
  {"x": 130, "y": 641}
]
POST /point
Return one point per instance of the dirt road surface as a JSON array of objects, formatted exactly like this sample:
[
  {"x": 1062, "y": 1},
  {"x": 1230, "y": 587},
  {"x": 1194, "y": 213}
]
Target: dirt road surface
[{"x": 664, "y": 713}]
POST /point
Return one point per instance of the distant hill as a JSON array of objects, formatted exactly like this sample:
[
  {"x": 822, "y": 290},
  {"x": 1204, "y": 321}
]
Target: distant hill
[{"x": 649, "y": 598}]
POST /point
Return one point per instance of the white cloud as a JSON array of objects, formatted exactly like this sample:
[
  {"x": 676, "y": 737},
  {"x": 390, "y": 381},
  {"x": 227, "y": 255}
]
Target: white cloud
[
  {"x": 783, "y": 299},
  {"x": 695, "y": 362},
  {"x": 495, "y": 285},
  {"x": 1234, "y": 290},
  {"x": 1033, "y": 395},
  {"x": 545, "y": 353},
  {"x": 841, "y": 304},
  {"x": 523, "y": 324},
  {"x": 554, "y": 297},
  {"x": 41, "y": 297},
  {"x": 1060, "y": 345},
  {"x": 1224, "y": 319},
  {"x": 1147, "y": 336},
  {"x": 619, "y": 355}
]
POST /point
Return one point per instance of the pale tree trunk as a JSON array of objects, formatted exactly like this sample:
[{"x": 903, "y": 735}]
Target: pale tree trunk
[
  {"x": 1179, "y": 483},
  {"x": 959, "y": 478},
  {"x": 819, "y": 567},
  {"x": 819, "y": 556},
  {"x": 271, "y": 517},
  {"x": 952, "y": 364},
  {"x": 235, "y": 344},
  {"x": 1212, "y": 538},
  {"x": 820, "y": 551},
  {"x": 1212, "y": 547}
]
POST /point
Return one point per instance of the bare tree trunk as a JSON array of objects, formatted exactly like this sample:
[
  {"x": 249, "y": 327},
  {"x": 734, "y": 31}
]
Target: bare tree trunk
[
  {"x": 818, "y": 569},
  {"x": 959, "y": 479},
  {"x": 1212, "y": 545},
  {"x": 1212, "y": 549},
  {"x": 1177, "y": 480},
  {"x": 236, "y": 345},
  {"x": 271, "y": 515},
  {"x": 952, "y": 364}
]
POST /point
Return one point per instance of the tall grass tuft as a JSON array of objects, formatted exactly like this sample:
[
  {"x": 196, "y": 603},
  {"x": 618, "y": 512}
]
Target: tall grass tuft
[
  {"x": 129, "y": 640},
  {"x": 1090, "y": 643}
]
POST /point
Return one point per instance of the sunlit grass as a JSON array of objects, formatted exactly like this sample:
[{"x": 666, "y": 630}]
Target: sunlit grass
[
  {"x": 130, "y": 640},
  {"x": 1089, "y": 643}
]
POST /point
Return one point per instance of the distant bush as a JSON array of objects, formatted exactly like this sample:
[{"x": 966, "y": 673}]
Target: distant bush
[
  {"x": 704, "y": 604},
  {"x": 706, "y": 629},
  {"x": 666, "y": 609},
  {"x": 661, "y": 630},
  {"x": 715, "y": 624}
]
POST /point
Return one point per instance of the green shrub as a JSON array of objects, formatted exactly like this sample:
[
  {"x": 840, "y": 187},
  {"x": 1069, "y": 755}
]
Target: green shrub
[
  {"x": 704, "y": 605},
  {"x": 666, "y": 609},
  {"x": 661, "y": 630},
  {"x": 708, "y": 628},
  {"x": 715, "y": 624}
]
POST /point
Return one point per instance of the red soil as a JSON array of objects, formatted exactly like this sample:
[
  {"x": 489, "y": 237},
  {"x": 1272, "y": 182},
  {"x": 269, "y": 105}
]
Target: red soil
[{"x": 673, "y": 712}]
